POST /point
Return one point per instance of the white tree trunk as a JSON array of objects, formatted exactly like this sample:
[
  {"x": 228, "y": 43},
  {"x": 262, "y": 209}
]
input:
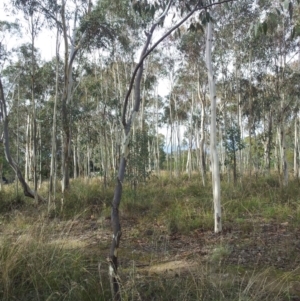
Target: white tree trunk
[
  {"x": 75, "y": 160},
  {"x": 213, "y": 132},
  {"x": 27, "y": 151},
  {"x": 202, "y": 134},
  {"x": 296, "y": 147}
]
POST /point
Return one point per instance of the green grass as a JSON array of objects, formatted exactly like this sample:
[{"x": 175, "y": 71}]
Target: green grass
[
  {"x": 40, "y": 260},
  {"x": 35, "y": 268}
]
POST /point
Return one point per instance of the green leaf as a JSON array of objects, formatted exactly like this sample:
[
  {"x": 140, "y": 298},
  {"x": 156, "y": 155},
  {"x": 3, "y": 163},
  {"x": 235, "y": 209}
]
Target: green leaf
[
  {"x": 291, "y": 8},
  {"x": 202, "y": 17},
  {"x": 199, "y": 27},
  {"x": 207, "y": 16},
  {"x": 293, "y": 33},
  {"x": 152, "y": 11},
  {"x": 192, "y": 28},
  {"x": 297, "y": 30},
  {"x": 264, "y": 27}
]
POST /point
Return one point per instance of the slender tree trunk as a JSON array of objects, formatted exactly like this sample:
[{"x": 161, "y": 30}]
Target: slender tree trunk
[
  {"x": 1, "y": 175},
  {"x": 127, "y": 124},
  {"x": 157, "y": 156},
  {"x": 18, "y": 138},
  {"x": 296, "y": 146},
  {"x": 34, "y": 127},
  {"x": 283, "y": 160},
  {"x": 67, "y": 91},
  {"x": 40, "y": 155},
  {"x": 202, "y": 134},
  {"x": 213, "y": 131},
  {"x": 75, "y": 160},
  {"x": 3, "y": 117},
  {"x": 52, "y": 179},
  {"x": 27, "y": 151}
]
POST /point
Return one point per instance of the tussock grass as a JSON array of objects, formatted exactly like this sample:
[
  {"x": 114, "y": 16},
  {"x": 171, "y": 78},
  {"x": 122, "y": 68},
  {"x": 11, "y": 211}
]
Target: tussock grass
[
  {"x": 39, "y": 261},
  {"x": 35, "y": 268},
  {"x": 201, "y": 282}
]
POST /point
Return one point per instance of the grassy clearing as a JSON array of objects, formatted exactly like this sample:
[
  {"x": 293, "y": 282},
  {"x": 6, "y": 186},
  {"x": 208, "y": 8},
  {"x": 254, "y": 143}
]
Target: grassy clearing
[
  {"x": 166, "y": 221},
  {"x": 34, "y": 267}
]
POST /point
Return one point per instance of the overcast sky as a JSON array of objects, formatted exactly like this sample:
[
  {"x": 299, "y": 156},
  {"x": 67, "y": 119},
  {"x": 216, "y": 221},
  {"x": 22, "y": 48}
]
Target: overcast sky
[{"x": 45, "y": 41}]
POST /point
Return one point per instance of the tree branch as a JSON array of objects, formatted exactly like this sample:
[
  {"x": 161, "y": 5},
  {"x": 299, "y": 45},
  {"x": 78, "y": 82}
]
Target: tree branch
[{"x": 158, "y": 42}]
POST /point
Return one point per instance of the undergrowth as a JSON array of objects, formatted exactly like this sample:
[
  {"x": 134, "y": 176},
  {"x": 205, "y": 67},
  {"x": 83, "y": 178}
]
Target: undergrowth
[{"x": 38, "y": 263}]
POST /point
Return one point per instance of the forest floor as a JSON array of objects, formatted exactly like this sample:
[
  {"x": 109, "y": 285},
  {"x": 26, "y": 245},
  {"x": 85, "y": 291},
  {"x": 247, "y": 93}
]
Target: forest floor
[{"x": 254, "y": 258}]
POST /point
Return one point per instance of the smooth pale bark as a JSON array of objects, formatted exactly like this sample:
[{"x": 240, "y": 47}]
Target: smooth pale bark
[
  {"x": 189, "y": 156},
  {"x": 213, "y": 132},
  {"x": 268, "y": 143},
  {"x": 69, "y": 57},
  {"x": 142, "y": 114},
  {"x": 127, "y": 124},
  {"x": 66, "y": 99},
  {"x": 113, "y": 255},
  {"x": 250, "y": 118},
  {"x": 79, "y": 156},
  {"x": 3, "y": 116},
  {"x": 240, "y": 113},
  {"x": 18, "y": 138},
  {"x": 52, "y": 178},
  {"x": 171, "y": 138},
  {"x": 88, "y": 157},
  {"x": 283, "y": 160},
  {"x": 296, "y": 146},
  {"x": 276, "y": 153},
  {"x": 40, "y": 155},
  {"x": 157, "y": 155},
  {"x": 201, "y": 97},
  {"x": 75, "y": 160},
  {"x": 33, "y": 103},
  {"x": 27, "y": 150}
]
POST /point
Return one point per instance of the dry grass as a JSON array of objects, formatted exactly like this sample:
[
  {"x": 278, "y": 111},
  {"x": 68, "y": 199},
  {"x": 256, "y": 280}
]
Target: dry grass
[{"x": 167, "y": 250}]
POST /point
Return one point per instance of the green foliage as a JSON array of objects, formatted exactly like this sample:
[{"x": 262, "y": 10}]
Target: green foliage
[
  {"x": 98, "y": 32},
  {"x": 84, "y": 199},
  {"x": 40, "y": 258},
  {"x": 232, "y": 142},
  {"x": 10, "y": 200},
  {"x": 33, "y": 268},
  {"x": 138, "y": 170}
]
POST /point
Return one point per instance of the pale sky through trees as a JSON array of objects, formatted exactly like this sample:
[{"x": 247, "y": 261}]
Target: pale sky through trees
[{"x": 45, "y": 43}]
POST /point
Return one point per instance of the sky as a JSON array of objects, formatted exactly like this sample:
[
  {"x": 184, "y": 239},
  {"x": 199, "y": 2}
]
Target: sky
[{"x": 46, "y": 40}]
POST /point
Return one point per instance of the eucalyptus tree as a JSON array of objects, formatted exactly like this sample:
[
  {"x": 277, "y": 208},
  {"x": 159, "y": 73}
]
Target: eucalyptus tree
[
  {"x": 88, "y": 28},
  {"x": 192, "y": 45},
  {"x": 213, "y": 135},
  {"x": 35, "y": 23},
  {"x": 6, "y": 141},
  {"x": 5, "y": 87},
  {"x": 127, "y": 125},
  {"x": 278, "y": 24}
]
